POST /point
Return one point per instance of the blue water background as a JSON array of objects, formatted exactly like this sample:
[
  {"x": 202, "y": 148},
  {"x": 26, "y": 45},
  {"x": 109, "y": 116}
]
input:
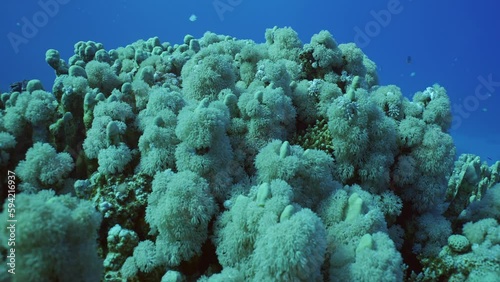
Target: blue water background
[{"x": 453, "y": 43}]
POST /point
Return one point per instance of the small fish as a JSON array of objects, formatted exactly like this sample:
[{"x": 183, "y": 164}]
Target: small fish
[{"x": 408, "y": 60}]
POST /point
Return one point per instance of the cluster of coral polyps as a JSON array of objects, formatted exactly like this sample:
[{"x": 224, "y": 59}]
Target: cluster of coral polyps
[{"x": 229, "y": 160}]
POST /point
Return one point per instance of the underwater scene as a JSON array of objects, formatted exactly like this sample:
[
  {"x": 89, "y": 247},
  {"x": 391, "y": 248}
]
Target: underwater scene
[{"x": 237, "y": 140}]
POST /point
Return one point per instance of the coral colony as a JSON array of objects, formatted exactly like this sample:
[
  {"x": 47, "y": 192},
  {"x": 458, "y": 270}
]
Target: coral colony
[{"x": 229, "y": 160}]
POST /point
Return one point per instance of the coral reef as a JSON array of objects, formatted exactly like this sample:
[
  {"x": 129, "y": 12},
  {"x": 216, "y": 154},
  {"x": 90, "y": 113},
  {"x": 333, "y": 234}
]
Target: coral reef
[{"x": 219, "y": 159}]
